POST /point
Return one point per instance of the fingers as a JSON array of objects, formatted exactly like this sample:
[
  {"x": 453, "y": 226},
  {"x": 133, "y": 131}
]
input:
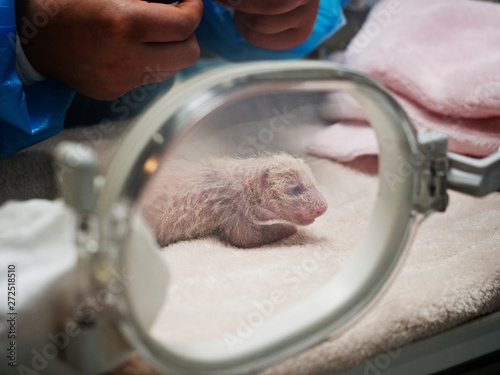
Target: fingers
[
  {"x": 274, "y": 24},
  {"x": 276, "y": 42},
  {"x": 277, "y": 32},
  {"x": 155, "y": 22},
  {"x": 169, "y": 56},
  {"x": 301, "y": 17},
  {"x": 166, "y": 43},
  {"x": 151, "y": 63},
  {"x": 263, "y": 7}
]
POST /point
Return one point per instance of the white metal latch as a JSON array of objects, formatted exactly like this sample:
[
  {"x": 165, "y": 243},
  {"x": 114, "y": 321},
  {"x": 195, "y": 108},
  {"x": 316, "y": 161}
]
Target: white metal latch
[
  {"x": 441, "y": 170},
  {"x": 431, "y": 190}
]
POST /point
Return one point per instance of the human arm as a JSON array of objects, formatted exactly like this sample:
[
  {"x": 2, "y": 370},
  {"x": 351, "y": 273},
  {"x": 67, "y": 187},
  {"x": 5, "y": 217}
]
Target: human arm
[
  {"x": 100, "y": 48},
  {"x": 104, "y": 49}
]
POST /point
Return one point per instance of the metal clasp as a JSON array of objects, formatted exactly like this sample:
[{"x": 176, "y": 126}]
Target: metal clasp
[
  {"x": 441, "y": 170},
  {"x": 431, "y": 186}
]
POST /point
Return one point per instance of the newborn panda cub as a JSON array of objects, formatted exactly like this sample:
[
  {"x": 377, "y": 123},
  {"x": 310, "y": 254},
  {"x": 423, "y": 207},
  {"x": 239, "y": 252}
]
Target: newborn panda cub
[{"x": 245, "y": 202}]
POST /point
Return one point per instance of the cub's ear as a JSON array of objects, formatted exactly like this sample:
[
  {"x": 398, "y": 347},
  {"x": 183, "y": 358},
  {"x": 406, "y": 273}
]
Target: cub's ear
[
  {"x": 264, "y": 172},
  {"x": 263, "y": 175}
]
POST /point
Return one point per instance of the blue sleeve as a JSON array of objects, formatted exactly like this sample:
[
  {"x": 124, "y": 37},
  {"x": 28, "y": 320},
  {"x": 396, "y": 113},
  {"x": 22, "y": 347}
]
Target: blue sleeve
[
  {"x": 218, "y": 34},
  {"x": 28, "y": 114}
]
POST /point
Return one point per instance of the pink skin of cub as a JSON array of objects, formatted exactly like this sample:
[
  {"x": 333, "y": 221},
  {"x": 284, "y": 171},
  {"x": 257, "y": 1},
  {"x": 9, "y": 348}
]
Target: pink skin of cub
[{"x": 245, "y": 202}]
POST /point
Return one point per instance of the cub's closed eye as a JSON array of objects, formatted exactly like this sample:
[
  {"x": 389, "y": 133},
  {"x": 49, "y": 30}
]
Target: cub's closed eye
[{"x": 297, "y": 190}]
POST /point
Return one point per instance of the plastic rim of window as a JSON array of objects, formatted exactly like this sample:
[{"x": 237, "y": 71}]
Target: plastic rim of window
[{"x": 352, "y": 289}]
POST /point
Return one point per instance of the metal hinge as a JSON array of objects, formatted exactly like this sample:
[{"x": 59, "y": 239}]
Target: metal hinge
[
  {"x": 431, "y": 185},
  {"x": 441, "y": 170}
]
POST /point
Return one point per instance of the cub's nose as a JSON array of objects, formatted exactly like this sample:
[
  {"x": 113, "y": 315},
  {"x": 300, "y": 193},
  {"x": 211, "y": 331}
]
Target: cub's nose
[
  {"x": 321, "y": 209},
  {"x": 317, "y": 207},
  {"x": 320, "y": 205}
]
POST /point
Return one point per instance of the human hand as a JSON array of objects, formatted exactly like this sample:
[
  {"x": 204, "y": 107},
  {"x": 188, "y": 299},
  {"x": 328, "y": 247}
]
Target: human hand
[
  {"x": 274, "y": 24},
  {"x": 105, "y": 48}
]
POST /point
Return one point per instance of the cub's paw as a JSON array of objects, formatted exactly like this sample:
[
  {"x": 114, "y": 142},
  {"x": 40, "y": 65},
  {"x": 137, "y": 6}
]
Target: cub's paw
[{"x": 257, "y": 235}]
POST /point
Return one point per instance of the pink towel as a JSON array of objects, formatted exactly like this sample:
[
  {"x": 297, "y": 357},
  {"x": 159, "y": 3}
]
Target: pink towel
[{"x": 440, "y": 59}]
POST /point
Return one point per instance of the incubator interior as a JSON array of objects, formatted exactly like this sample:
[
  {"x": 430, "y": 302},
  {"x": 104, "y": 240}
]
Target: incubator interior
[{"x": 260, "y": 281}]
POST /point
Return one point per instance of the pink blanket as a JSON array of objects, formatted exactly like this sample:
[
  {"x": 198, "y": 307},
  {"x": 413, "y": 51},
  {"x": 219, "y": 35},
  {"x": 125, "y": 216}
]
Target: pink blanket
[{"x": 440, "y": 59}]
